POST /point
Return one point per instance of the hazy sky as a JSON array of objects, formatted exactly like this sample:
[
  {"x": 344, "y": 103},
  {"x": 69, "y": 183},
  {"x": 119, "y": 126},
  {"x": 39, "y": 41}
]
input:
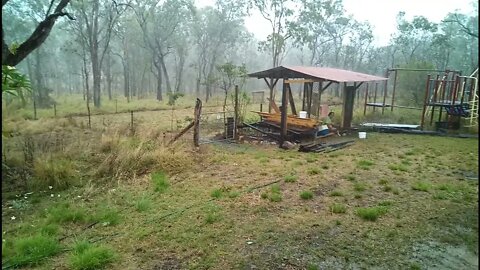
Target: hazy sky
[{"x": 380, "y": 13}]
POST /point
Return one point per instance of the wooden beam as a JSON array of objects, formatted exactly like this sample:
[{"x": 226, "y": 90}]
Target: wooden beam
[
  {"x": 273, "y": 105},
  {"x": 196, "y": 121},
  {"x": 358, "y": 85},
  {"x": 310, "y": 99},
  {"x": 320, "y": 90},
  {"x": 292, "y": 102},
  {"x": 326, "y": 86},
  {"x": 181, "y": 133},
  {"x": 301, "y": 81}
]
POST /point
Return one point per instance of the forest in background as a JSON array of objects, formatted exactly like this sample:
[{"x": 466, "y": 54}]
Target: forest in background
[{"x": 103, "y": 49}]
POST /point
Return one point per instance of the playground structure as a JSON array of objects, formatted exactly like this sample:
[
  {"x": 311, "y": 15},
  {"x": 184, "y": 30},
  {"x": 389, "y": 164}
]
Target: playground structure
[{"x": 447, "y": 91}]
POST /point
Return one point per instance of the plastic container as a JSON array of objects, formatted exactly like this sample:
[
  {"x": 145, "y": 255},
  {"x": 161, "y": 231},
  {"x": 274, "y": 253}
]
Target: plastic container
[
  {"x": 362, "y": 135},
  {"x": 302, "y": 114}
]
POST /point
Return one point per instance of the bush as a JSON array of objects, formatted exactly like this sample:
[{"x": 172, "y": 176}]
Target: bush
[{"x": 290, "y": 178}]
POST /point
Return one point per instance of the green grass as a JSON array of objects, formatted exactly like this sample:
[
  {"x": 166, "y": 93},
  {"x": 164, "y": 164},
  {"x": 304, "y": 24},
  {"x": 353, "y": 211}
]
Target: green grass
[
  {"x": 56, "y": 172},
  {"x": 216, "y": 193},
  {"x": 233, "y": 194},
  {"x": 359, "y": 186},
  {"x": 30, "y": 251},
  {"x": 306, "y": 195},
  {"x": 64, "y": 213},
  {"x": 350, "y": 177},
  {"x": 398, "y": 167},
  {"x": 313, "y": 171},
  {"x": 383, "y": 181},
  {"x": 371, "y": 213},
  {"x": 421, "y": 186},
  {"x": 338, "y": 208},
  {"x": 106, "y": 216},
  {"x": 160, "y": 182},
  {"x": 336, "y": 193},
  {"x": 275, "y": 197},
  {"x": 290, "y": 178},
  {"x": 87, "y": 256},
  {"x": 365, "y": 164},
  {"x": 143, "y": 204}
]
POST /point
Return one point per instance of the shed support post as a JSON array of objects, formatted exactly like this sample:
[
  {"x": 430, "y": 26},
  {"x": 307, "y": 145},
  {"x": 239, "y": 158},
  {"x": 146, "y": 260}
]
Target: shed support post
[
  {"x": 283, "y": 112},
  {"x": 348, "y": 104},
  {"x": 319, "y": 108}
]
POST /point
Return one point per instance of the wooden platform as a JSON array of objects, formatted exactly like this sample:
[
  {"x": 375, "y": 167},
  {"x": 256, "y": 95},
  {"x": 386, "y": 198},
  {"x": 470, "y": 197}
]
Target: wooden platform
[{"x": 293, "y": 121}]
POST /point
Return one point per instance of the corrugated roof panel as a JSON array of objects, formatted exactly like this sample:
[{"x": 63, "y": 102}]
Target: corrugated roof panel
[{"x": 325, "y": 73}]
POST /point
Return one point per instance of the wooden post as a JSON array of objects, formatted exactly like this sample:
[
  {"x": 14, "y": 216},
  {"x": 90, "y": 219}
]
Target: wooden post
[
  {"x": 261, "y": 107},
  {"x": 348, "y": 104},
  {"x": 309, "y": 99},
  {"x": 394, "y": 89},
  {"x": 435, "y": 90},
  {"x": 319, "y": 108},
  {"x": 366, "y": 95},
  {"x": 235, "y": 123},
  {"x": 116, "y": 106},
  {"x": 196, "y": 122},
  {"x": 292, "y": 102},
  {"x": 427, "y": 88},
  {"x": 375, "y": 96},
  {"x": 131, "y": 121},
  {"x": 55, "y": 109},
  {"x": 283, "y": 125},
  {"x": 305, "y": 87},
  {"x": 385, "y": 90},
  {"x": 89, "y": 118},
  {"x": 34, "y": 109}
]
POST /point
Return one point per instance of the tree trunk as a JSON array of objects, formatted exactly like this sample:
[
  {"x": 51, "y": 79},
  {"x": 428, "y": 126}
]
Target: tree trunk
[
  {"x": 108, "y": 74},
  {"x": 165, "y": 72},
  {"x": 158, "y": 67}
]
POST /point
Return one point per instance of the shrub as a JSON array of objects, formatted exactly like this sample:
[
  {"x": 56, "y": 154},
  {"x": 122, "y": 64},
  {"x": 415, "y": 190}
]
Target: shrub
[
  {"x": 306, "y": 195},
  {"x": 32, "y": 250},
  {"x": 351, "y": 177},
  {"x": 89, "y": 257},
  {"x": 275, "y": 197},
  {"x": 359, "y": 187},
  {"x": 338, "y": 208},
  {"x": 160, "y": 182},
  {"x": 313, "y": 171},
  {"x": 371, "y": 213}
]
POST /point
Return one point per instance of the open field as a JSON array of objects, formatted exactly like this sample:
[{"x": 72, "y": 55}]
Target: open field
[{"x": 105, "y": 198}]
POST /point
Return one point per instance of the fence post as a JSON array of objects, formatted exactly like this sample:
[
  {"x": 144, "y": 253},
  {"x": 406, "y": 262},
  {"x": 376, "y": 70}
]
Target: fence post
[
  {"x": 116, "y": 106},
  {"x": 196, "y": 122},
  {"x": 131, "y": 121},
  {"x": 55, "y": 109},
  {"x": 235, "y": 122},
  {"x": 34, "y": 109}
]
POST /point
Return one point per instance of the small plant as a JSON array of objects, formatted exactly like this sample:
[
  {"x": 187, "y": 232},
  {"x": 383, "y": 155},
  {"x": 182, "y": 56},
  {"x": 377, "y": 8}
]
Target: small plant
[
  {"x": 306, "y": 195},
  {"x": 338, "y": 208},
  {"x": 264, "y": 195},
  {"x": 290, "y": 178},
  {"x": 383, "y": 181},
  {"x": 371, "y": 213},
  {"x": 160, "y": 182},
  {"x": 217, "y": 193},
  {"x": 211, "y": 218},
  {"x": 359, "y": 187},
  {"x": 398, "y": 167},
  {"x": 63, "y": 213},
  {"x": 336, "y": 193},
  {"x": 275, "y": 197},
  {"x": 313, "y": 171},
  {"x": 387, "y": 188},
  {"x": 89, "y": 257},
  {"x": 233, "y": 194},
  {"x": 421, "y": 186},
  {"x": 58, "y": 173},
  {"x": 385, "y": 203},
  {"x": 107, "y": 217},
  {"x": 31, "y": 251},
  {"x": 312, "y": 266},
  {"x": 275, "y": 189},
  {"x": 351, "y": 177},
  {"x": 143, "y": 204},
  {"x": 358, "y": 196},
  {"x": 325, "y": 166},
  {"x": 49, "y": 229},
  {"x": 365, "y": 164}
]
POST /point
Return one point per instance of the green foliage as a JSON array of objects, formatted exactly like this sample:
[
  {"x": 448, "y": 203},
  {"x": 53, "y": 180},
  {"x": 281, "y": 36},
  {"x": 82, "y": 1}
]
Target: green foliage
[
  {"x": 421, "y": 186},
  {"x": 365, "y": 164},
  {"x": 217, "y": 193},
  {"x": 359, "y": 186},
  {"x": 56, "y": 172},
  {"x": 14, "y": 83},
  {"x": 160, "y": 182},
  {"x": 306, "y": 195},
  {"x": 336, "y": 193},
  {"x": 90, "y": 257},
  {"x": 143, "y": 204},
  {"x": 31, "y": 250},
  {"x": 172, "y": 97}
]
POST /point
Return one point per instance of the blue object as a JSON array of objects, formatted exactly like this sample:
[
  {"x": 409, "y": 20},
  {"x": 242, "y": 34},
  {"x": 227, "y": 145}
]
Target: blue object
[{"x": 323, "y": 132}]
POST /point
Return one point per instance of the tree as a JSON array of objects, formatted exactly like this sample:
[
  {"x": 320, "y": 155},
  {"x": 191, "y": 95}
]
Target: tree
[
  {"x": 15, "y": 54},
  {"x": 229, "y": 75}
]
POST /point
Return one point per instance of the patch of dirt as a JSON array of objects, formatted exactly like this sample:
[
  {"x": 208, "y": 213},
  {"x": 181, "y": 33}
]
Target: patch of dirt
[{"x": 169, "y": 263}]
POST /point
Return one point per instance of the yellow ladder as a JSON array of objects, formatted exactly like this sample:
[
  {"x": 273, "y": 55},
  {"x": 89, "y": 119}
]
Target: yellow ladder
[{"x": 473, "y": 119}]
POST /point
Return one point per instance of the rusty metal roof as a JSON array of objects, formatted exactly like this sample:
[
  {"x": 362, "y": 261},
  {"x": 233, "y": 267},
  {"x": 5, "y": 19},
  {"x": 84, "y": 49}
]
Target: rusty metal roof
[{"x": 321, "y": 73}]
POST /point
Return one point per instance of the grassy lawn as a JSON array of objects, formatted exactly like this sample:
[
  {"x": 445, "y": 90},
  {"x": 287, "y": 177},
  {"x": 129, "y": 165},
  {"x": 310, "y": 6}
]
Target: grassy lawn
[{"x": 102, "y": 199}]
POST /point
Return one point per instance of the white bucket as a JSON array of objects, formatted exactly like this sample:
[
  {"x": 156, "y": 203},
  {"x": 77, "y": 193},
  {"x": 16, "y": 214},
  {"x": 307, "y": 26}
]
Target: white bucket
[
  {"x": 362, "y": 135},
  {"x": 302, "y": 114}
]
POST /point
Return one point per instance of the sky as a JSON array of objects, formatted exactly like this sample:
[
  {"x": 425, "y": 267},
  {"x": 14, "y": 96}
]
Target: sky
[{"x": 380, "y": 13}]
